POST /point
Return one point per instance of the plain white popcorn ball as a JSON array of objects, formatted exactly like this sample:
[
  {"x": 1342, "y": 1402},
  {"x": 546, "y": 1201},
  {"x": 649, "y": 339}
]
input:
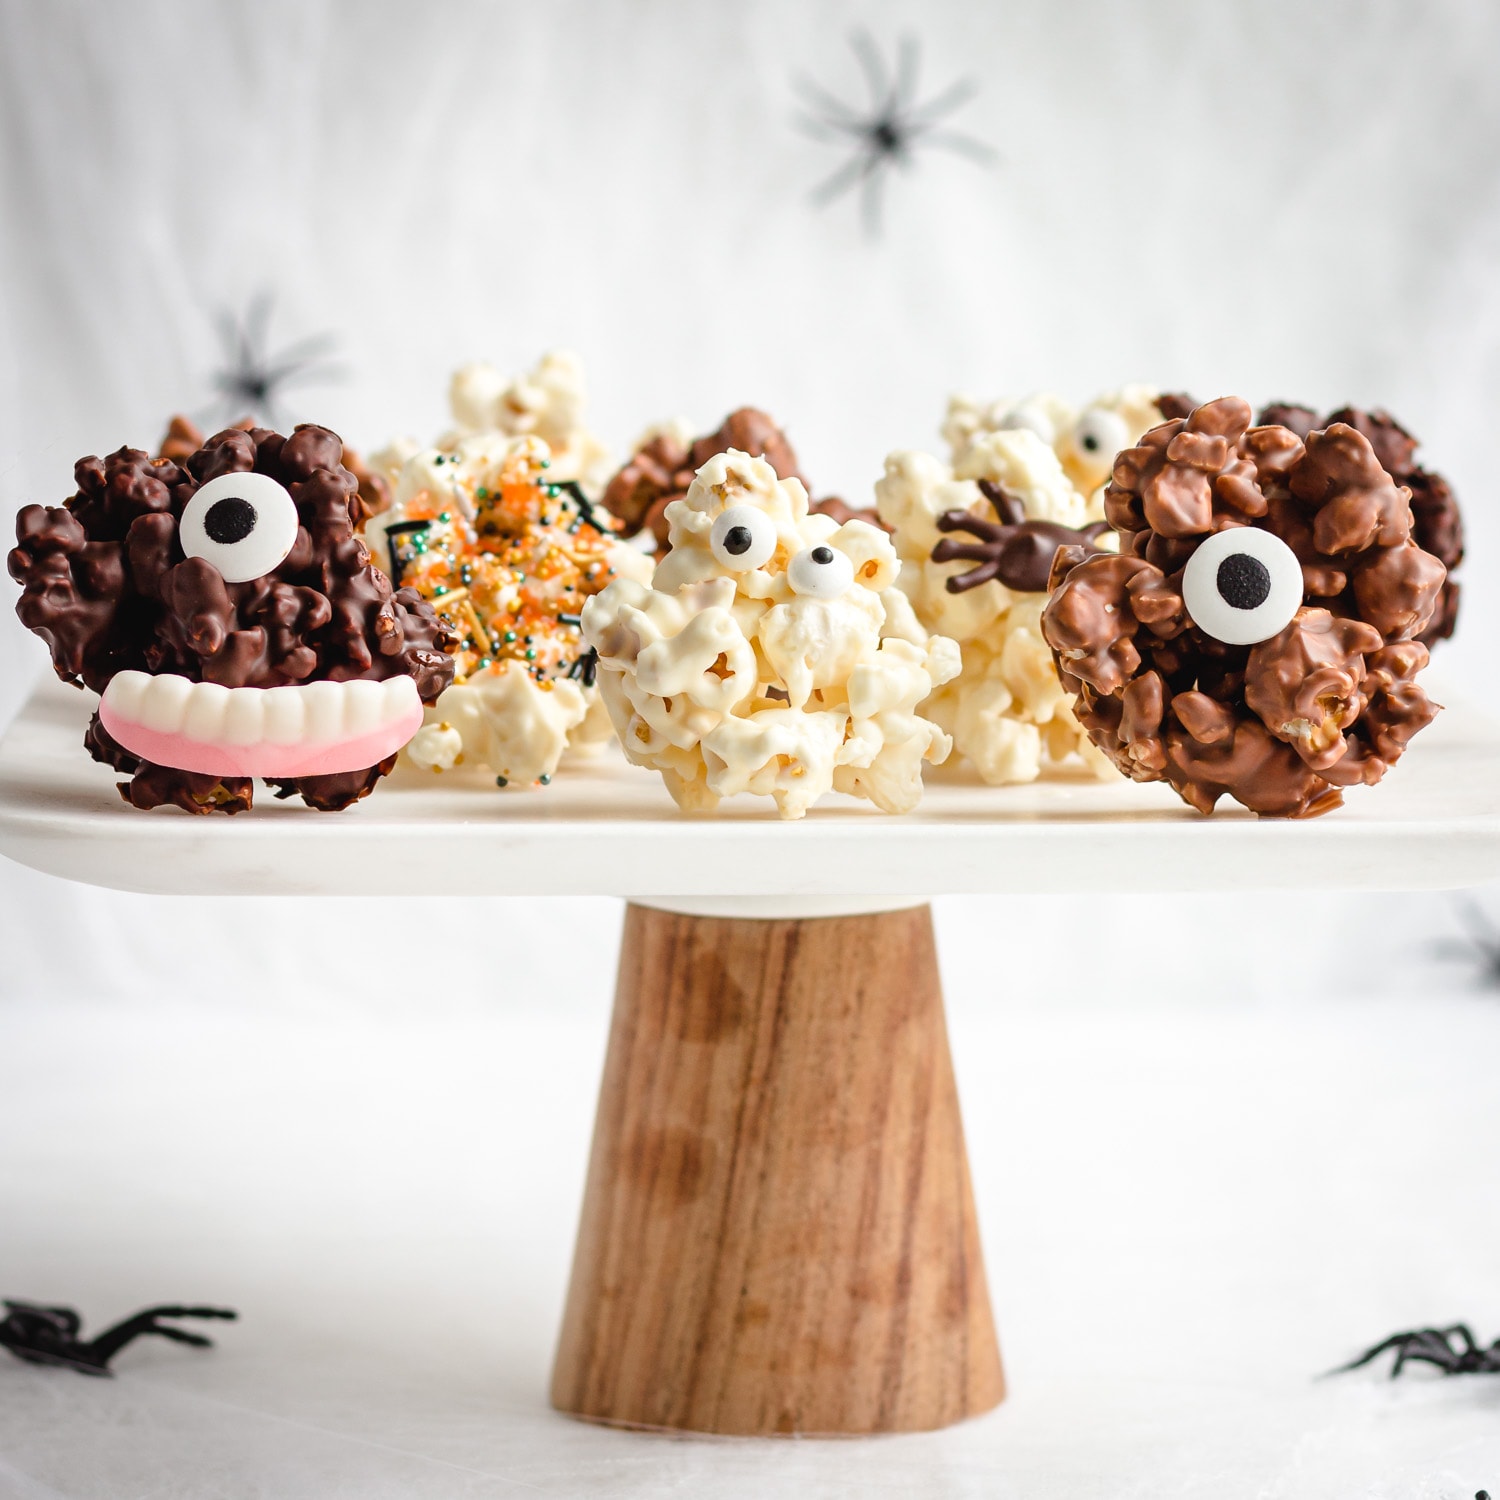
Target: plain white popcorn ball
[
  {"x": 770, "y": 653},
  {"x": 1006, "y": 711}
]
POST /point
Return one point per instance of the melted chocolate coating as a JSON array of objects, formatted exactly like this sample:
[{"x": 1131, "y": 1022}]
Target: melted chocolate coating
[
  {"x": 1331, "y": 700},
  {"x": 106, "y": 584},
  {"x": 1016, "y": 551},
  {"x": 1437, "y": 523},
  {"x": 662, "y": 470}
]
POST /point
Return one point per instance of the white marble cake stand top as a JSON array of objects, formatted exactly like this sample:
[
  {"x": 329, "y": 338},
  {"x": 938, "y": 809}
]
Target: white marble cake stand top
[{"x": 605, "y": 827}]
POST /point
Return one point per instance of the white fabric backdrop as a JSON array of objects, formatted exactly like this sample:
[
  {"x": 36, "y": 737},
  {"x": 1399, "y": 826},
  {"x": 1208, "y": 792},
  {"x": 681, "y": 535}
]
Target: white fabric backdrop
[{"x": 1292, "y": 200}]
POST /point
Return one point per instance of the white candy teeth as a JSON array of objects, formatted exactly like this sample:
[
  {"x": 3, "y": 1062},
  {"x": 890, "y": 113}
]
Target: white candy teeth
[
  {"x": 324, "y": 706},
  {"x": 164, "y": 703},
  {"x": 244, "y": 717},
  {"x": 284, "y": 715},
  {"x": 311, "y": 713},
  {"x": 207, "y": 703},
  {"x": 364, "y": 704},
  {"x": 126, "y": 691}
]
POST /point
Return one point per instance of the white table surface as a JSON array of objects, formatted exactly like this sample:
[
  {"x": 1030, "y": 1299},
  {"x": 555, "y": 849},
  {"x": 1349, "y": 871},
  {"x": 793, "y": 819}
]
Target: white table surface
[
  {"x": 1189, "y": 1208},
  {"x": 607, "y": 828}
]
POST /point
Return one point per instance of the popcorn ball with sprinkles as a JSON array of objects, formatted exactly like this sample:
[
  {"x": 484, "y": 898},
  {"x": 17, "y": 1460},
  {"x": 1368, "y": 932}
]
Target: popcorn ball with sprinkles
[{"x": 508, "y": 555}]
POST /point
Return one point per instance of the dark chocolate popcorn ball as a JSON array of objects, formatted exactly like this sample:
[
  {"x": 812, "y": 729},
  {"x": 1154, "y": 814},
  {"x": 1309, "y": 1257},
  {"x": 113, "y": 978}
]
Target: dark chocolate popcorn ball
[
  {"x": 236, "y": 564},
  {"x": 1258, "y": 635}
]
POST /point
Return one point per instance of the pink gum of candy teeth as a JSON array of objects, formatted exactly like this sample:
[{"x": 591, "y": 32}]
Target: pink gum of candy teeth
[{"x": 312, "y": 729}]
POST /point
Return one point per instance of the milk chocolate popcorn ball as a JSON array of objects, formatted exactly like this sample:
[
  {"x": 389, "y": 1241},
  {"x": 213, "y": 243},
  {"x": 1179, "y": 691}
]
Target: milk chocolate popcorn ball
[
  {"x": 1257, "y": 636},
  {"x": 1437, "y": 525},
  {"x": 230, "y": 616},
  {"x": 667, "y": 457},
  {"x": 758, "y": 660},
  {"x": 508, "y": 556}
]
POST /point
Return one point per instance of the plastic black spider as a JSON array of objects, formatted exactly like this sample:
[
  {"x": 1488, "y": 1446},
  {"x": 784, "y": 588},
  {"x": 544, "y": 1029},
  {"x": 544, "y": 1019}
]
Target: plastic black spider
[
  {"x": 1453, "y": 1350},
  {"x": 49, "y": 1335},
  {"x": 1481, "y": 946},
  {"x": 887, "y": 132},
  {"x": 252, "y": 379}
]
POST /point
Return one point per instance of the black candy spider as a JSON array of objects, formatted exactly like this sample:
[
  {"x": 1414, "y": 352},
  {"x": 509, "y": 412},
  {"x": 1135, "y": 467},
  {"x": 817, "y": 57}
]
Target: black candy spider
[
  {"x": 252, "y": 379},
  {"x": 1480, "y": 947},
  {"x": 888, "y": 130},
  {"x": 1453, "y": 1350},
  {"x": 49, "y": 1335}
]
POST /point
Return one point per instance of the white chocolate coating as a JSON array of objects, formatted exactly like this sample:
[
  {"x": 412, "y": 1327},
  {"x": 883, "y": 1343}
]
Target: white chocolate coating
[
  {"x": 725, "y": 679},
  {"x": 500, "y": 548},
  {"x": 548, "y": 402},
  {"x": 1006, "y": 710}
]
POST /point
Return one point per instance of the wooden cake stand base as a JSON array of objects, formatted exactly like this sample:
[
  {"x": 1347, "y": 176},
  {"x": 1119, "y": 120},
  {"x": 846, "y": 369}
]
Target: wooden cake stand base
[{"x": 778, "y": 1232}]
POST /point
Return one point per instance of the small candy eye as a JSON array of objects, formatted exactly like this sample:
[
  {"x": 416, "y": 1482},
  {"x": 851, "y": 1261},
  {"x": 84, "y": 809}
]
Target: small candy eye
[
  {"x": 244, "y": 524},
  {"x": 1242, "y": 585},
  {"x": 743, "y": 538},
  {"x": 1031, "y": 419},
  {"x": 1099, "y": 434},
  {"x": 820, "y": 572}
]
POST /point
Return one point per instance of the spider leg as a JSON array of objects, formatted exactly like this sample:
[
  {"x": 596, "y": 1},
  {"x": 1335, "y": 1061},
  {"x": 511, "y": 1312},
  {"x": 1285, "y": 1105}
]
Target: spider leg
[
  {"x": 112, "y": 1340},
  {"x": 1477, "y": 921},
  {"x": 1396, "y": 1341},
  {"x": 961, "y": 583},
  {"x": 961, "y": 520},
  {"x": 841, "y": 181},
  {"x": 962, "y": 145},
  {"x": 949, "y": 550},
  {"x": 257, "y": 327},
  {"x": 830, "y": 132},
  {"x": 953, "y": 97},
  {"x": 908, "y": 64},
  {"x": 873, "y": 67},
  {"x": 870, "y": 196},
  {"x": 835, "y": 111}
]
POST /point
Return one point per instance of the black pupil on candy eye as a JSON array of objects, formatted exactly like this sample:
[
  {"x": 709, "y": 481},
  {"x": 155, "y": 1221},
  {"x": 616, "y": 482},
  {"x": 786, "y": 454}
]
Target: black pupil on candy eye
[
  {"x": 229, "y": 520},
  {"x": 1090, "y": 441},
  {"x": 822, "y": 554},
  {"x": 1244, "y": 582},
  {"x": 737, "y": 540}
]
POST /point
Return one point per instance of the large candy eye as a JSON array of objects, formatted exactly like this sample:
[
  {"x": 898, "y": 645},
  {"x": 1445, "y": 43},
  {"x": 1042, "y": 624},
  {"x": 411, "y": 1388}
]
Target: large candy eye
[
  {"x": 743, "y": 538},
  {"x": 1030, "y": 418},
  {"x": 820, "y": 572},
  {"x": 244, "y": 524},
  {"x": 1099, "y": 434},
  {"x": 1242, "y": 585}
]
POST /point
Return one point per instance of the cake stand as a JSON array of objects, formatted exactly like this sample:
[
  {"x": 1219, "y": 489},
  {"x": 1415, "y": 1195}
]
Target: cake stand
[{"x": 778, "y": 1233}]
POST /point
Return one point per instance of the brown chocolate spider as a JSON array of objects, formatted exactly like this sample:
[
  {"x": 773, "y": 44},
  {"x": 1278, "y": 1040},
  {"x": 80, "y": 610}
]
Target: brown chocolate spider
[
  {"x": 1016, "y": 551},
  {"x": 49, "y": 1335},
  {"x": 1452, "y": 1350}
]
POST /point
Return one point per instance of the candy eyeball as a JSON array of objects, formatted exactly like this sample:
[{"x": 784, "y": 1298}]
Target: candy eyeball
[
  {"x": 1098, "y": 435},
  {"x": 820, "y": 572},
  {"x": 1243, "y": 585},
  {"x": 1030, "y": 417},
  {"x": 743, "y": 538},
  {"x": 244, "y": 524}
]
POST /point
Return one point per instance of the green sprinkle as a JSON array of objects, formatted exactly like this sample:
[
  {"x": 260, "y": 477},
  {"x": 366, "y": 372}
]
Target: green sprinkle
[
  {"x": 501, "y": 781},
  {"x": 545, "y": 780}
]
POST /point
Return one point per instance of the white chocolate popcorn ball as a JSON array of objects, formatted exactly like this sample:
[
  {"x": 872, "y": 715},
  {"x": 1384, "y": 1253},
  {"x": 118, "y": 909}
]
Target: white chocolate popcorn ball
[
  {"x": 508, "y": 557},
  {"x": 762, "y": 656},
  {"x": 1006, "y": 710},
  {"x": 549, "y": 402},
  {"x": 1085, "y": 439}
]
